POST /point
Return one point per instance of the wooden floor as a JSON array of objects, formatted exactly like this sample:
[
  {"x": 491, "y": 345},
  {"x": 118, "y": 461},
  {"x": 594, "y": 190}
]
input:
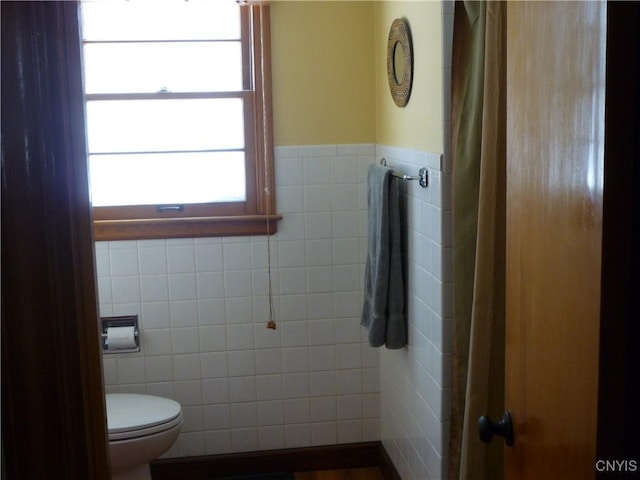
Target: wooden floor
[{"x": 373, "y": 473}]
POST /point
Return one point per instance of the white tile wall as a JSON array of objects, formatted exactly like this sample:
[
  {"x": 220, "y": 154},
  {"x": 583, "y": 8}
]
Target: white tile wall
[
  {"x": 203, "y": 307},
  {"x": 414, "y": 382}
]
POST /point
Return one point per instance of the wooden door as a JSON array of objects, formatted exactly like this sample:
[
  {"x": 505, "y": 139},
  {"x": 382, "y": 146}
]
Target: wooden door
[{"x": 555, "y": 161}]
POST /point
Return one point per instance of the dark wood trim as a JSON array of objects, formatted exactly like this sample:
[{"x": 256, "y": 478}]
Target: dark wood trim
[
  {"x": 53, "y": 414},
  {"x": 330, "y": 457},
  {"x": 386, "y": 465},
  {"x": 619, "y": 389},
  {"x": 185, "y": 227},
  {"x": 264, "y": 146},
  {"x": 150, "y": 212}
]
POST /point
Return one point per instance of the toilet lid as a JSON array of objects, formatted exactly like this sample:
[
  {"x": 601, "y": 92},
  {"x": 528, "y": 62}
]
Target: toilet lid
[{"x": 131, "y": 414}]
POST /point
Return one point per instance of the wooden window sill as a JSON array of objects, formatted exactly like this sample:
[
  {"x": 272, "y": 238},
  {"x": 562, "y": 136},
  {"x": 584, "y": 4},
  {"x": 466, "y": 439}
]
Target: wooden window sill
[{"x": 140, "y": 229}]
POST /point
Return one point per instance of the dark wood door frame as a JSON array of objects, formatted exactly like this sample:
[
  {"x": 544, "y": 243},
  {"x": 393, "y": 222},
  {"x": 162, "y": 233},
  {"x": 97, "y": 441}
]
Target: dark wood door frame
[
  {"x": 619, "y": 389},
  {"x": 53, "y": 417}
]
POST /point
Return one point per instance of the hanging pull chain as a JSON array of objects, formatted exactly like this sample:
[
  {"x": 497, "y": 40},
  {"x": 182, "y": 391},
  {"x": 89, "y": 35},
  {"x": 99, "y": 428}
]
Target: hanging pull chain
[{"x": 271, "y": 323}]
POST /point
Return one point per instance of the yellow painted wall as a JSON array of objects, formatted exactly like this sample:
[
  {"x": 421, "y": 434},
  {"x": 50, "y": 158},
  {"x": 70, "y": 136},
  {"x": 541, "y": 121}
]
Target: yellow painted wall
[
  {"x": 330, "y": 74},
  {"x": 322, "y": 72},
  {"x": 418, "y": 125}
]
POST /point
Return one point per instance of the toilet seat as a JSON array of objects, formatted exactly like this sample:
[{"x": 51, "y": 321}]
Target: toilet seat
[{"x": 133, "y": 415}]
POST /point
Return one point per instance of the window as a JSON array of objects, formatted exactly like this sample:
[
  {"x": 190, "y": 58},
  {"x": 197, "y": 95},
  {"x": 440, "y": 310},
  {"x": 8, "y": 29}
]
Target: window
[{"x": 178, "y": 115}]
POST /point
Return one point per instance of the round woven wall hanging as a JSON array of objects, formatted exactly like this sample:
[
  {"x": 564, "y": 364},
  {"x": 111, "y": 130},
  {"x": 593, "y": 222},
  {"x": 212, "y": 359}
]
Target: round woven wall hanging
[{"x": 400, "y": 61}]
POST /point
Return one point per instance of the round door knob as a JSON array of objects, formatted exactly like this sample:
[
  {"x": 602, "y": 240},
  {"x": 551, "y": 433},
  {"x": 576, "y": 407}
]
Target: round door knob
[{"x": 487, "y": 429}]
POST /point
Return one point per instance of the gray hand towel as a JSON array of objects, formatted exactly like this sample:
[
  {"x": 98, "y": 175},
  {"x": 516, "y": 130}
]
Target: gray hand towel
[{"x": 383, "y": 308}]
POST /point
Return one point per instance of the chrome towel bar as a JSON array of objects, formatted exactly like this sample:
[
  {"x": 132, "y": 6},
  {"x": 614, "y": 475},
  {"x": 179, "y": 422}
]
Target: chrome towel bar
[{"x": 423, "y": 175}]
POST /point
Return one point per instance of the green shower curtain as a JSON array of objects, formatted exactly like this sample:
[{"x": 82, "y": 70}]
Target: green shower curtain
[{"x": 478, "y": 107}]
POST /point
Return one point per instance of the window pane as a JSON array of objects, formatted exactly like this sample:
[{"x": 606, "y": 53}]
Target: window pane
[
  {"x": 150, "y": 67},
  {"x": 165, "y": 125},
  {"x": 153, "y": 179},
  {"x": 161, "y": 20}
]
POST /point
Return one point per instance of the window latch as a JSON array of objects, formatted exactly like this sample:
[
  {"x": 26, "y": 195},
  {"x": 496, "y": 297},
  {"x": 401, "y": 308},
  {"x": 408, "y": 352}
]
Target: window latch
[{"x": 169, "y": 208}]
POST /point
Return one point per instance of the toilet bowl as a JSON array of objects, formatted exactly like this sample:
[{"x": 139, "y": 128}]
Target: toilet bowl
[{"x": 141, "y": 428}]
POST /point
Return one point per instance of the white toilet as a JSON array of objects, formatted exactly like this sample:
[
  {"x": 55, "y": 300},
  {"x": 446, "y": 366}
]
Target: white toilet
[{"x": 141, "y": 428}]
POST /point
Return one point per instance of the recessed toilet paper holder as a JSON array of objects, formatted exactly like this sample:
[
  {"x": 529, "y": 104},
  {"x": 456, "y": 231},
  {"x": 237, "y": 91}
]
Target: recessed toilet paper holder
[{"x": 126, "y": 321}]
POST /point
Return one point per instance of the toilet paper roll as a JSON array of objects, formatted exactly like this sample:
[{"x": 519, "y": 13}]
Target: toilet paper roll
[{"x": 119, "y": 338}]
